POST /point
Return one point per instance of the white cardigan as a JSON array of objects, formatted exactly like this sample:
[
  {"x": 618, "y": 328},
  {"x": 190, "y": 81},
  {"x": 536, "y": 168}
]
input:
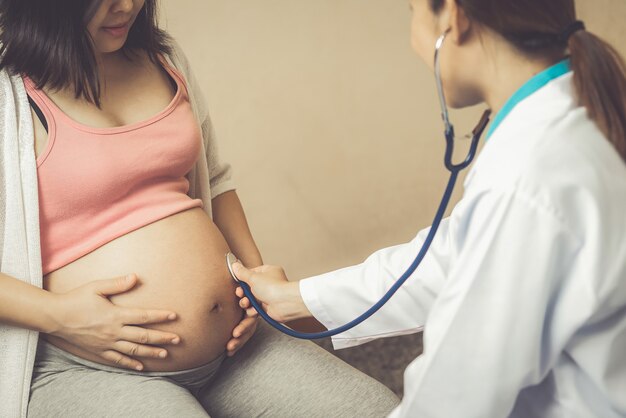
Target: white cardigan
[{"x": 20, "y": 253}]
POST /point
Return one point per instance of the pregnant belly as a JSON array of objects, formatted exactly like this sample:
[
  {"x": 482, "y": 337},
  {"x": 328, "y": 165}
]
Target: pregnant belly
[{"x": 180, "y": 264}]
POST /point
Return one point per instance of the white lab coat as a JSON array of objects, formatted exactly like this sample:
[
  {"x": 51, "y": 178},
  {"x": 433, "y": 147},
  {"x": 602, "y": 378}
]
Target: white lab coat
[{"x": 523, "y": 294}]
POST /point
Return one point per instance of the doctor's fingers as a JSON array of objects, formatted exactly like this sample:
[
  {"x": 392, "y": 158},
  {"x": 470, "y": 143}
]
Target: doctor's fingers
[
  {"x": 242, "y": 272},
  {"x": 265, "y": 270},
  {"x": 262, "y": 273},
  {"x": 262, "y": 269},
  {"x": 270, "y": 270}
]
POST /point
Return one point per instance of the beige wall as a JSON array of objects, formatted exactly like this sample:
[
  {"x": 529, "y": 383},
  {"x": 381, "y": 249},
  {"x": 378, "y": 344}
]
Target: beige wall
[{"x": 329, "y": 120}]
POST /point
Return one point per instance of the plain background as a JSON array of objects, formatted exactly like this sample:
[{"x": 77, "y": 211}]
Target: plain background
[
  {"x": 329, "y": 120},
  {"x": 332, "y": 127}
]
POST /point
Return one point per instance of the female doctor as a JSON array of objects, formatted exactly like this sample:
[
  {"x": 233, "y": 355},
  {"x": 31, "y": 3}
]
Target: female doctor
[{"x": 522, "y": 295}]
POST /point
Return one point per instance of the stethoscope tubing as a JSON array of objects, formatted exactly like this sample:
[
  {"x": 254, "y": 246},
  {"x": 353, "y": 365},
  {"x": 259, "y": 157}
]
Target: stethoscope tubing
[
  {"x": 396, "y": 286},
  {"x": 454, "y": 169}
]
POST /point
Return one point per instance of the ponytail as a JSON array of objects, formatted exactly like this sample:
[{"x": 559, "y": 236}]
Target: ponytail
[
  {"x": 549, "y": 29},
  {"x": 600, "y": 80}
]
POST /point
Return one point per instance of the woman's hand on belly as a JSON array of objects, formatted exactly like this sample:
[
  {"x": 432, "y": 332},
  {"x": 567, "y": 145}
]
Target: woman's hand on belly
[
  {"x": 86, "y": 318},
  {"x": 180, "y": 267}
]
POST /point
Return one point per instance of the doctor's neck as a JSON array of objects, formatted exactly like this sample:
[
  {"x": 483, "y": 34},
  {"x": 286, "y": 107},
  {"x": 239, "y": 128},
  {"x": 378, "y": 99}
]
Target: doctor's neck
[
  {"x": 505, "y": 70},
  {"x": 500, "y": 45}
]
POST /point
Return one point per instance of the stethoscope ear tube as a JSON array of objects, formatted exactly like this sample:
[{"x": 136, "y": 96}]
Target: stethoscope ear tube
[{"x": 454, "y": 169}]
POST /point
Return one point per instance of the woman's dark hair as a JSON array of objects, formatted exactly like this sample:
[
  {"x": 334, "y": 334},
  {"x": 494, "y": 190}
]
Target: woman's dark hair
[
  {"x": 48, "y": 41},
  {"x": 536, "y": 27}
]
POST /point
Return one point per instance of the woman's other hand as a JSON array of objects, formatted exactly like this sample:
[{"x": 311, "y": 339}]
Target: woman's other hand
[
  {"x": 279, "y": 297},
  {"x": 86, "y": 318},
  {"x": 242, "y": 332}
]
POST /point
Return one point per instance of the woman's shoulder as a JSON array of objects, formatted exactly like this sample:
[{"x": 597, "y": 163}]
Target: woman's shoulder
[
  {"x": 551, "y": 152},
  {"x": 177, "y": 56},
  {"x": 178, "y": 59}
]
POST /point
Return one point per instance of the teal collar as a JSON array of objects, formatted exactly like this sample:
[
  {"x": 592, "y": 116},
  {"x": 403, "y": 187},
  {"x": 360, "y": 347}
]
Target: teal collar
[{"x": 530, "y": 87}]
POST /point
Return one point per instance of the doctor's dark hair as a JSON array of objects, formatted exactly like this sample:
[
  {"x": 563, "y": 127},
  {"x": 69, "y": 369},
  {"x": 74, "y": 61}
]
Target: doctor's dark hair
[
  {"x": 48, "y": 41},
  {"x": 540, "y": 28}
]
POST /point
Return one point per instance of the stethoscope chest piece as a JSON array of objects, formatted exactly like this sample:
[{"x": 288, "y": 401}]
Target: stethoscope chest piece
[{"x": 230, "y": 260}]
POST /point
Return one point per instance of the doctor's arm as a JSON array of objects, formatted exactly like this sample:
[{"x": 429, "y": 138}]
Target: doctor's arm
[{"x": 338, "y": 297}]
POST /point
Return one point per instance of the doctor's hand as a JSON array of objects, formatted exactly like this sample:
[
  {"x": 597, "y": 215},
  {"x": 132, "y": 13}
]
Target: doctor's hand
[{"x": 279, "y": 297}]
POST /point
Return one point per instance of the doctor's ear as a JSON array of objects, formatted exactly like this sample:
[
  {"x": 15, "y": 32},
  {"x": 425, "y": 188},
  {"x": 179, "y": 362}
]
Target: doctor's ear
[{"x": 454, "y": 18}]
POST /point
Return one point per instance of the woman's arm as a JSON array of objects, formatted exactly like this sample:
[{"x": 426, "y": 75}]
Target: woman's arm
[
  {"x": 229, "y": 217},
  {"x": 86, "y": 318},
  {"x": 25, "y": 306}
]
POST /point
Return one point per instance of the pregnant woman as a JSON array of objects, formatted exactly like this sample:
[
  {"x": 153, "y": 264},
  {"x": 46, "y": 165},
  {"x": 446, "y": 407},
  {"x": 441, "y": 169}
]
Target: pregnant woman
[{"x": 116, "y": 216}]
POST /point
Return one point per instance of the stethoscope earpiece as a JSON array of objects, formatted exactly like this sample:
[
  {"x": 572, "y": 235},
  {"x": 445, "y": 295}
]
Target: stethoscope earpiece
[{"x": 449, "y": 128}]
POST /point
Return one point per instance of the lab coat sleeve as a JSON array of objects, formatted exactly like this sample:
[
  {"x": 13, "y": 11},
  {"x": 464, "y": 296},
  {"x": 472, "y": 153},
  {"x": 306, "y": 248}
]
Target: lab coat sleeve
[
  {"x": 491, "y": 332},
  {"x": 338, "y": 297}
]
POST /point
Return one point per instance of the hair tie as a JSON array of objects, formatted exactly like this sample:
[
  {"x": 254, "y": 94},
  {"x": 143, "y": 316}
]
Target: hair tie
[{"x": 570, "y": 30}]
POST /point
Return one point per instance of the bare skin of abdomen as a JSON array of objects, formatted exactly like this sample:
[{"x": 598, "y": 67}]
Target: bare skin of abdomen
[{"x": 180, "y": 264}]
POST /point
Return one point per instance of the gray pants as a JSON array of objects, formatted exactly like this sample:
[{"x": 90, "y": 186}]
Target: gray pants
[{"x": 272, "y": 376}]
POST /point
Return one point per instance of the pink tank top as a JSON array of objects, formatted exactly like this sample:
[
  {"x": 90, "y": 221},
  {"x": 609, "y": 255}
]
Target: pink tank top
[{"x": 97, "y": 184}]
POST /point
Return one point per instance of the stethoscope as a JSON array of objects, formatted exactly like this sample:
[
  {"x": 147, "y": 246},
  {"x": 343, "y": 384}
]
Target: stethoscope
[{"x": 454, "y": 169}]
